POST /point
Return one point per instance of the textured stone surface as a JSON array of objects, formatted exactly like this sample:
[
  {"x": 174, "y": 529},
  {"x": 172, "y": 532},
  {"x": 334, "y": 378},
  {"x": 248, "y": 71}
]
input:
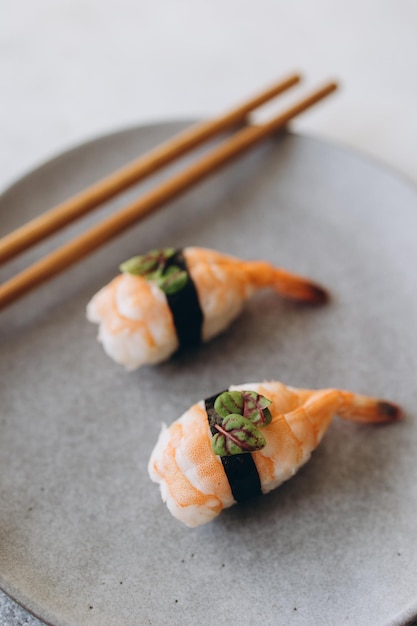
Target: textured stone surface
[
  {"x": 11, "y": 614},
  {"x": 84, "y": 536}
]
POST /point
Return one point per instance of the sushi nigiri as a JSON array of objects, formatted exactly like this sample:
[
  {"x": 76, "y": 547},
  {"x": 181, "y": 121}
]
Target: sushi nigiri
[
  {"x": 247, "y": 441},
  {"x": 171, "y": 298}
]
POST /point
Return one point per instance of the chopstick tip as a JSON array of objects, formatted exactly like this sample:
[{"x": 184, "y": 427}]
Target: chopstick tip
[
  {"x": 334, "y": 85},
  {"x": 295, "y": 77}
]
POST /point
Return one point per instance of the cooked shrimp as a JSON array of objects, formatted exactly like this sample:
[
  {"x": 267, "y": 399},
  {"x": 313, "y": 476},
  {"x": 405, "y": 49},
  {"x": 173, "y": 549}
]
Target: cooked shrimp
[
  {"x": 170, "y": 298},
  {"x": 194, "y": 481}
]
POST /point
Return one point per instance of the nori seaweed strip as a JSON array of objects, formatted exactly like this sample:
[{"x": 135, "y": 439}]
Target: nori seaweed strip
[
  {"x": 240, "y": 469},
  {"x": 185, "y": 307}
]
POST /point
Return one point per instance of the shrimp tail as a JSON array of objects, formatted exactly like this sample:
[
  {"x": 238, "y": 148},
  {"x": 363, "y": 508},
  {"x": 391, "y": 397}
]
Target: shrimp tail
[
  {"x": 359, "y": 408},
  {"x": 287, "y": 284}
]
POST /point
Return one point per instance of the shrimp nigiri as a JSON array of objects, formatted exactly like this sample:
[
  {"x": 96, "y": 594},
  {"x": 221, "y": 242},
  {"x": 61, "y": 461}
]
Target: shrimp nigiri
[
  {"x": 171, "y": 298},
  {"x": 247, "y": 441}
]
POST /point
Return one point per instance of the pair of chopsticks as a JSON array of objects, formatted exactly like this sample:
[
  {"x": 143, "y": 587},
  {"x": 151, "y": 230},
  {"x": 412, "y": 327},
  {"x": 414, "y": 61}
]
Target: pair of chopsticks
[{"x": 85, "y": 201}]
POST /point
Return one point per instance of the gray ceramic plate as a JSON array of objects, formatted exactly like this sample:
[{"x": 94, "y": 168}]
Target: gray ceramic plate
[{"x": 84, "y": 536}]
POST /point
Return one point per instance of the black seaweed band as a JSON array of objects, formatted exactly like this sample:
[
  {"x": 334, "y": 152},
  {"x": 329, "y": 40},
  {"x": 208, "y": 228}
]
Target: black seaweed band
[
  {"x": 185, "y": 307},
  {"x": 240, "y": 469}
]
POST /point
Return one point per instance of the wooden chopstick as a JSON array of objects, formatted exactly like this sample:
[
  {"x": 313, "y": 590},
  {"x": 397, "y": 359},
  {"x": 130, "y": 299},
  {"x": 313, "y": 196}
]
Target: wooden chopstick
[
  {"x": 80, "y": 204},
  {"x": 92, "y": 239}
]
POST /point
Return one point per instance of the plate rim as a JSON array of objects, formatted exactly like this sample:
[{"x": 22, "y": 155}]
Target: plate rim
[{"x": 97, "y": 137}]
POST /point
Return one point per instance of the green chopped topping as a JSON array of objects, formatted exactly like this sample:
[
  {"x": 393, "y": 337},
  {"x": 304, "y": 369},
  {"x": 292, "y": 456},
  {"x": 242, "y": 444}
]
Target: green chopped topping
[
  {"x": 173, "y": 280},
  {"x": 149, "y": 263},
  {"x": 154, "y": 266},
  {"x": 255, "y": 408},
  {"x": 229, "y": 402},
  {"x": 236, "y": 435},
  {"x": 239, "y": 415}
]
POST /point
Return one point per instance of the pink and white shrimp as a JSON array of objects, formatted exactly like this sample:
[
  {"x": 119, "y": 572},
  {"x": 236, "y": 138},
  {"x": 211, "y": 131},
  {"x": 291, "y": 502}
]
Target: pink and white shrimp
[
  {"x": 194, "y": 481},
  {"x": 169, "y": 298}
]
